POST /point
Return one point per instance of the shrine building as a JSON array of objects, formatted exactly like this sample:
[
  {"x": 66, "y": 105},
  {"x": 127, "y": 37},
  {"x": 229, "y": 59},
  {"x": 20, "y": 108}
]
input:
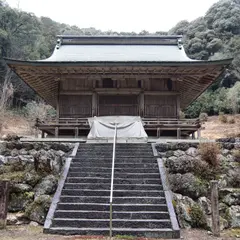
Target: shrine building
[{"x": 146, "y": 76}]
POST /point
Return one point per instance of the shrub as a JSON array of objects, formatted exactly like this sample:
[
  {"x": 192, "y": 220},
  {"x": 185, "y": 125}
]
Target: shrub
[
  {"x": 198, "y": 218},
  {"x": 222, "y": 118},
  {"x": 232, "y": 120},
  {"x": 209, "y": 153},
  {"x": 181, "y": 115},
  {"x": 205, "y": 171},
  {"x": 235, "y": 179},
  {"x": 40, "y": 110},
  {"x": 203, "y": 117},
  {"x": 236, "y": 155}
]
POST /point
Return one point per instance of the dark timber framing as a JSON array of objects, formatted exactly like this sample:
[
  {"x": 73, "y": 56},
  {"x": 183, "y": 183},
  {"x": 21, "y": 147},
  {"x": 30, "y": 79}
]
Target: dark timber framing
[{"x": 149, "y": 76}]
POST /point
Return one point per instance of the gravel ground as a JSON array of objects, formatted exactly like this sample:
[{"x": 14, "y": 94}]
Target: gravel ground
[{"x": 35, "y": 233}]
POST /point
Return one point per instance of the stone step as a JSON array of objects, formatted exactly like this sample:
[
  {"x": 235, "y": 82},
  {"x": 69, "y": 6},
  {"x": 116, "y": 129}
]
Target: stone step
[
  {"x": 110, "y": 146},
  {"x": 118, "y": 150},
  {"x": 117, "y": 223},
  {"x": 116, "y": 193},
  {"x": 116, "y": 175},
  {"x": 116, "y": 200},
  {"x": 117, "y": 161},
  {"x": 105, "y": 214},
  {"x": 116, "y": 207},
  {"x": 165, "y": 233},
  {"x": 108, "y": 155},
  {"x": 116, "y": 180},
  {"x": 116, "y": 186},
  {"x": 117, "y": 165},
  {"x": 116, "y": 170}
]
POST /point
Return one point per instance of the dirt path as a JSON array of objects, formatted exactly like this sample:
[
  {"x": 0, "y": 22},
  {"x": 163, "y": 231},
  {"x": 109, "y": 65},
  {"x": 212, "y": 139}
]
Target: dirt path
[{"x": 35, "y": 233}]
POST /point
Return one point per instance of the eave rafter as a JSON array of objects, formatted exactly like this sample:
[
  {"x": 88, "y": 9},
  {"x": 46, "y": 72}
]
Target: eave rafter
[{"x": 193, "y": 79}]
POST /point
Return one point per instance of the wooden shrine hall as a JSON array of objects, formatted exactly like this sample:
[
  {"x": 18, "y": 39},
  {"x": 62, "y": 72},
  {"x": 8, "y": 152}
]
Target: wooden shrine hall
[{"x": 146, "y": 76}]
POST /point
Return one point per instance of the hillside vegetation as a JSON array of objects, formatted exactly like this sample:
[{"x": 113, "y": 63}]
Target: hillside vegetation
[{"x": 213, "y": 36}]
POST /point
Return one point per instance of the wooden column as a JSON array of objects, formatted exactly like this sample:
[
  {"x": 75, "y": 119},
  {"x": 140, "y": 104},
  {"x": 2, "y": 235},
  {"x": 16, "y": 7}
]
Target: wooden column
[
  {"x": 178, "y": 106},
  {"x": 4, "y": 192},
  {"x": 56, "y": 132},
  {"x": 215, "y": 209},
  {"x": 57, "y": 104},
  {"x": 178, "y": 133},
  {"x": 141, "y": 104},
  {"x": 199, "y": 133},
  {"x": 94, "y": 104},
  {"x": 43, "y": 134},
  {"x": 193, "y": 136}
]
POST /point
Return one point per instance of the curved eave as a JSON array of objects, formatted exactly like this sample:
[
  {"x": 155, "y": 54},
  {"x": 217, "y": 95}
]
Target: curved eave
[
  {"x": 135, "y": 63},
  {"x": 43, "y": 77}
]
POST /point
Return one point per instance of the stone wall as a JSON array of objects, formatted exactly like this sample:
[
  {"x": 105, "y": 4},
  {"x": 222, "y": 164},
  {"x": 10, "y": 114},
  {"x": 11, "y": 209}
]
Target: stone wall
[
  {"x": 189, "y": 176},
  {"x": 33, "y": 170}
]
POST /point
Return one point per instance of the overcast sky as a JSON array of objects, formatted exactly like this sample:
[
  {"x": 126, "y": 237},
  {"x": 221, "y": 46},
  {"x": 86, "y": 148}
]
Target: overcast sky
[{"x": 117, "y": 15}]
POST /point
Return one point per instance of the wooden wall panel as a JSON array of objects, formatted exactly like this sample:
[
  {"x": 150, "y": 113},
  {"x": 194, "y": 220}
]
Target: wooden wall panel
[
  {"x": 128, "y": 83},
  {"x": 114, "y": 105},
  {"x": 76, "y": 84},
  {"x": 160, "y": 106},
  {"x": 158, "y": 84},
  {"x": 75, "y": 106}
]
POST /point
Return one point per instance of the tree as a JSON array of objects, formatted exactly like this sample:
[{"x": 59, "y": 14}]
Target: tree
[{"x": 234, "y": 98}]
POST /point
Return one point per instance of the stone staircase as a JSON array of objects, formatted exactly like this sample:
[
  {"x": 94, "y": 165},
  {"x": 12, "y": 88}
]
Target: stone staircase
[{"x": 139, "y": 203}]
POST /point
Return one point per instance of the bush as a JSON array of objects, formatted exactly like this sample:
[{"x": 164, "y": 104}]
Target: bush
[
  {"x": 203, "y": 117},
  {"x": 236, "y": 155},
  {"x": 222, "y": 118},
  {"x": 232, "y": 120},
  {"x": 40, "y": 110},
  {"x": 181, "y": 115},
  {"x": 209, "y": 153},
  {"x": 198, "y": 218},
  {"x": 235, "y": 179}
]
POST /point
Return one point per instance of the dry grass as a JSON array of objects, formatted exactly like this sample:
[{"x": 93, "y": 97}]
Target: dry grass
[
  {"x": 17, "y": 125},
  {"x": 223, "y": 118},
  {"x": 215, "y": 129}
]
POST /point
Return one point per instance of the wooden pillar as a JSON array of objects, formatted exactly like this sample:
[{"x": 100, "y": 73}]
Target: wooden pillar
[
  {"x": 193, "y": 135},
  {"x": 178, "y": 133},
  {"x": 158, "y": 132},
  {"x": 76, "y": 132},
  {"x": 4, "y": 192},
  {"x": 94, "y": 104},
  {"x": 199, "y": 133},
  {"x": 215, "y": 209},
  {"x": 141, "y": 104},
  {"x": 43, "y": 134},
  {"x": 57, "y": 104},
  {"x": 178, "y": 106},
  {"x": 56, "y": 132}
]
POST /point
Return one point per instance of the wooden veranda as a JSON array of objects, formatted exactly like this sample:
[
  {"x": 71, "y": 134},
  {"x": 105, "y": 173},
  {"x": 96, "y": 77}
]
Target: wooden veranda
[{"x": 181, "y": 128}]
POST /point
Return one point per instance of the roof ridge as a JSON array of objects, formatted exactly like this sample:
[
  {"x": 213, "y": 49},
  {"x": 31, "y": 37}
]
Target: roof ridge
[{"x": 119, "y": 40}]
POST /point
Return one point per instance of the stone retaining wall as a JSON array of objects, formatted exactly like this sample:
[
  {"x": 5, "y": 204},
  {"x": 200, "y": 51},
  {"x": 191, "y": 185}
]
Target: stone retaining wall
[
  {"x": 189, "y": 177},
  {"x": 33, "y": 170}
]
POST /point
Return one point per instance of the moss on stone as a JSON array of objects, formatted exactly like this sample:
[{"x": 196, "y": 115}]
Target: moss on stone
[
  {"x": 14, "y": 177},
  {"x": 227, "y": 216},
  {"x": 37, "y": 210},
  {"x": 174, "y": 203},
  {"x": 29, "y": 195},
  {"x": 198, "y": 219}
]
